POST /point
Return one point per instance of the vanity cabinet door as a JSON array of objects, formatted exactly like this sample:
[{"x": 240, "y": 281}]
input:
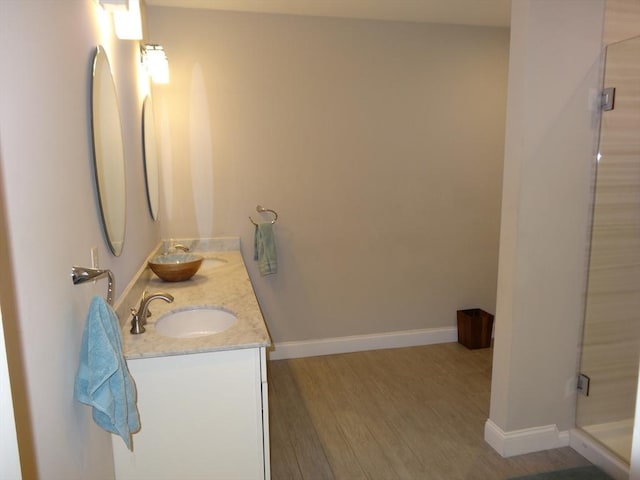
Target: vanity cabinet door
[
  {"x": 265, "y": 414},
  {"x": 201, "y": 417}
]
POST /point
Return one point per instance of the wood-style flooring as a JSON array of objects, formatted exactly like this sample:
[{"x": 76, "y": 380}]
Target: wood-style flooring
[{"x": 410, "y": 413}]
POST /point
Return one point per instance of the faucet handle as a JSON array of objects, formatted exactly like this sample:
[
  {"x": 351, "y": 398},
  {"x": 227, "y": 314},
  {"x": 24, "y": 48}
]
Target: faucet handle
[
  {"x": 143, "y": 302},
  {"x": 136, "y": 324}
]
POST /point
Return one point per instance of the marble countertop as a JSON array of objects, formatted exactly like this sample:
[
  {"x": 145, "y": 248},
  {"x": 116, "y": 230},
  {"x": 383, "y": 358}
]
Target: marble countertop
[{"x": 222, "y": 281}]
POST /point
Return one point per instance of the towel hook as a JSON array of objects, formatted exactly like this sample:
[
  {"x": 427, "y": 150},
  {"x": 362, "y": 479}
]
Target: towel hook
[
  {"x": 261, "y": 209},
  {"x": 81, "y": 274}
]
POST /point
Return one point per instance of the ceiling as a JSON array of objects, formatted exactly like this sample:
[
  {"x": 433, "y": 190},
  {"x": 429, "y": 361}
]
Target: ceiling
[{"x": 494, "y": 13}]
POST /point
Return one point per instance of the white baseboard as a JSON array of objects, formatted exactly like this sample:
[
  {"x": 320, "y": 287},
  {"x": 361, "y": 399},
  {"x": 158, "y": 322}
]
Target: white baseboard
[
  {"x": 359, "y": 343},
  {"x": 598, "y": 455},
  {"x": 518, "y": 442}
]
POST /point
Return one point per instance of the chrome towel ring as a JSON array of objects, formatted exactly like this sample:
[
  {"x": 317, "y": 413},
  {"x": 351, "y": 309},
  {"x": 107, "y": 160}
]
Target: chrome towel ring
[{"x": 261, "y": 209}]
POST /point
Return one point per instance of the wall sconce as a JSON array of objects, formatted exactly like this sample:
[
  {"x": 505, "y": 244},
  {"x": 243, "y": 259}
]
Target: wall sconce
[
  {"x": 156, "y": 63},
  {"x": 126, "y": 18},
  {"x": 114, "y": 5}
]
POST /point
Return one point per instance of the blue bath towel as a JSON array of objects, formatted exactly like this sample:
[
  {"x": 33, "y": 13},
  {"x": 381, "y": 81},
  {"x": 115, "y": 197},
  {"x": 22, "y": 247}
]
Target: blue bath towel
[
  {"x": 264, "y": 245},
  {"x": 103, "y": 380}
]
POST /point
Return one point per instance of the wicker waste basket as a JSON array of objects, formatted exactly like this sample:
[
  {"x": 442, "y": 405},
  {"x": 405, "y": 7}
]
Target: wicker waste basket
[{"x": 474, "y": 328}]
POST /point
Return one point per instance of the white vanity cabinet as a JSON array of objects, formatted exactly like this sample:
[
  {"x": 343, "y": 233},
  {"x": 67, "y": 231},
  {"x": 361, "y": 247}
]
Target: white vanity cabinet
[{"x": 203, "y": 416}]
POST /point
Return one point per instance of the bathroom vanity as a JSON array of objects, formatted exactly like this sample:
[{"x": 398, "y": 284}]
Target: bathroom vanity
[{"x": 202, "y": 400}]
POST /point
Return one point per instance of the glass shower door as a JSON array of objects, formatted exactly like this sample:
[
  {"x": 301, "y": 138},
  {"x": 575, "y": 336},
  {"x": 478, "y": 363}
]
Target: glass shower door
[{"x": 611, "y": 339}]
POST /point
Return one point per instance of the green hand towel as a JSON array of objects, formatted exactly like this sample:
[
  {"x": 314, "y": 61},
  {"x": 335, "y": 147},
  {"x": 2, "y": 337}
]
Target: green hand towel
[{"x": 265, "y": 249}]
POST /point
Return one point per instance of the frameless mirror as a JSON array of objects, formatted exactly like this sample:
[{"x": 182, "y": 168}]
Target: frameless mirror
[
  {"x": 108, "y": 152},
  {"x": 150, "y": 150}
]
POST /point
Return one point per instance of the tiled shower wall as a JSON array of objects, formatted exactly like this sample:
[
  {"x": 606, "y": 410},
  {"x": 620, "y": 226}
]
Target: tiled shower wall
[{"x": 611, "y": 345}]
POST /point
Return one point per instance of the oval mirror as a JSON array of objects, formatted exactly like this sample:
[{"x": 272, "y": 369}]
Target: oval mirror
[
  {"x": 108, "y": 152},
  {"x": 150, "y": 153}
]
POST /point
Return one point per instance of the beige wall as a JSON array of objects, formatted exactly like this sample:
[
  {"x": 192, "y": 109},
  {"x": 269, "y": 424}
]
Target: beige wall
[
  {"x": 51, "y": 221},
  {"x": 379, "y": 144},
  {"x": 550, "y": 148}
]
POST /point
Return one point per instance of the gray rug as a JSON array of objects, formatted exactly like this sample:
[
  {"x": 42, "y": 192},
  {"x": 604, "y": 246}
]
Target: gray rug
[{"x": 578, "y": 473}]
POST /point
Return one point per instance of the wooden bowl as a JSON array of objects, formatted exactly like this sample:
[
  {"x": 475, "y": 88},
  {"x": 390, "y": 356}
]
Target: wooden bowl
[{"x": 175, "y": 267}]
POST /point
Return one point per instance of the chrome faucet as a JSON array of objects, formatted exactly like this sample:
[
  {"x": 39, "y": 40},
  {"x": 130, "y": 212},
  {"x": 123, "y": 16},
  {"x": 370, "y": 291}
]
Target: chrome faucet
[{"x": 139, "y": 317}]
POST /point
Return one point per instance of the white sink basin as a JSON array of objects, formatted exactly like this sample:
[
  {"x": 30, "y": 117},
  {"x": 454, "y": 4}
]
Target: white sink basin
[{"x": 195, "y": 322}]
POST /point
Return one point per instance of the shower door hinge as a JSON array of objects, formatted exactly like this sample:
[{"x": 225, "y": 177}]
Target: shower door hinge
[
  {"x": 583, "y": 384},
  {"x": 608, "y": 97}
]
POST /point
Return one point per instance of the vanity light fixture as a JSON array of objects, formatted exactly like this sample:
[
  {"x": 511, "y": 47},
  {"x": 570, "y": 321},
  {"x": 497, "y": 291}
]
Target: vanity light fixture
[
  {"x": 114, "y": 5},
  {"x": 126, "y": 18},
  {"x": 156, "y": 63},
  {"x": 129, "y": 23}
]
